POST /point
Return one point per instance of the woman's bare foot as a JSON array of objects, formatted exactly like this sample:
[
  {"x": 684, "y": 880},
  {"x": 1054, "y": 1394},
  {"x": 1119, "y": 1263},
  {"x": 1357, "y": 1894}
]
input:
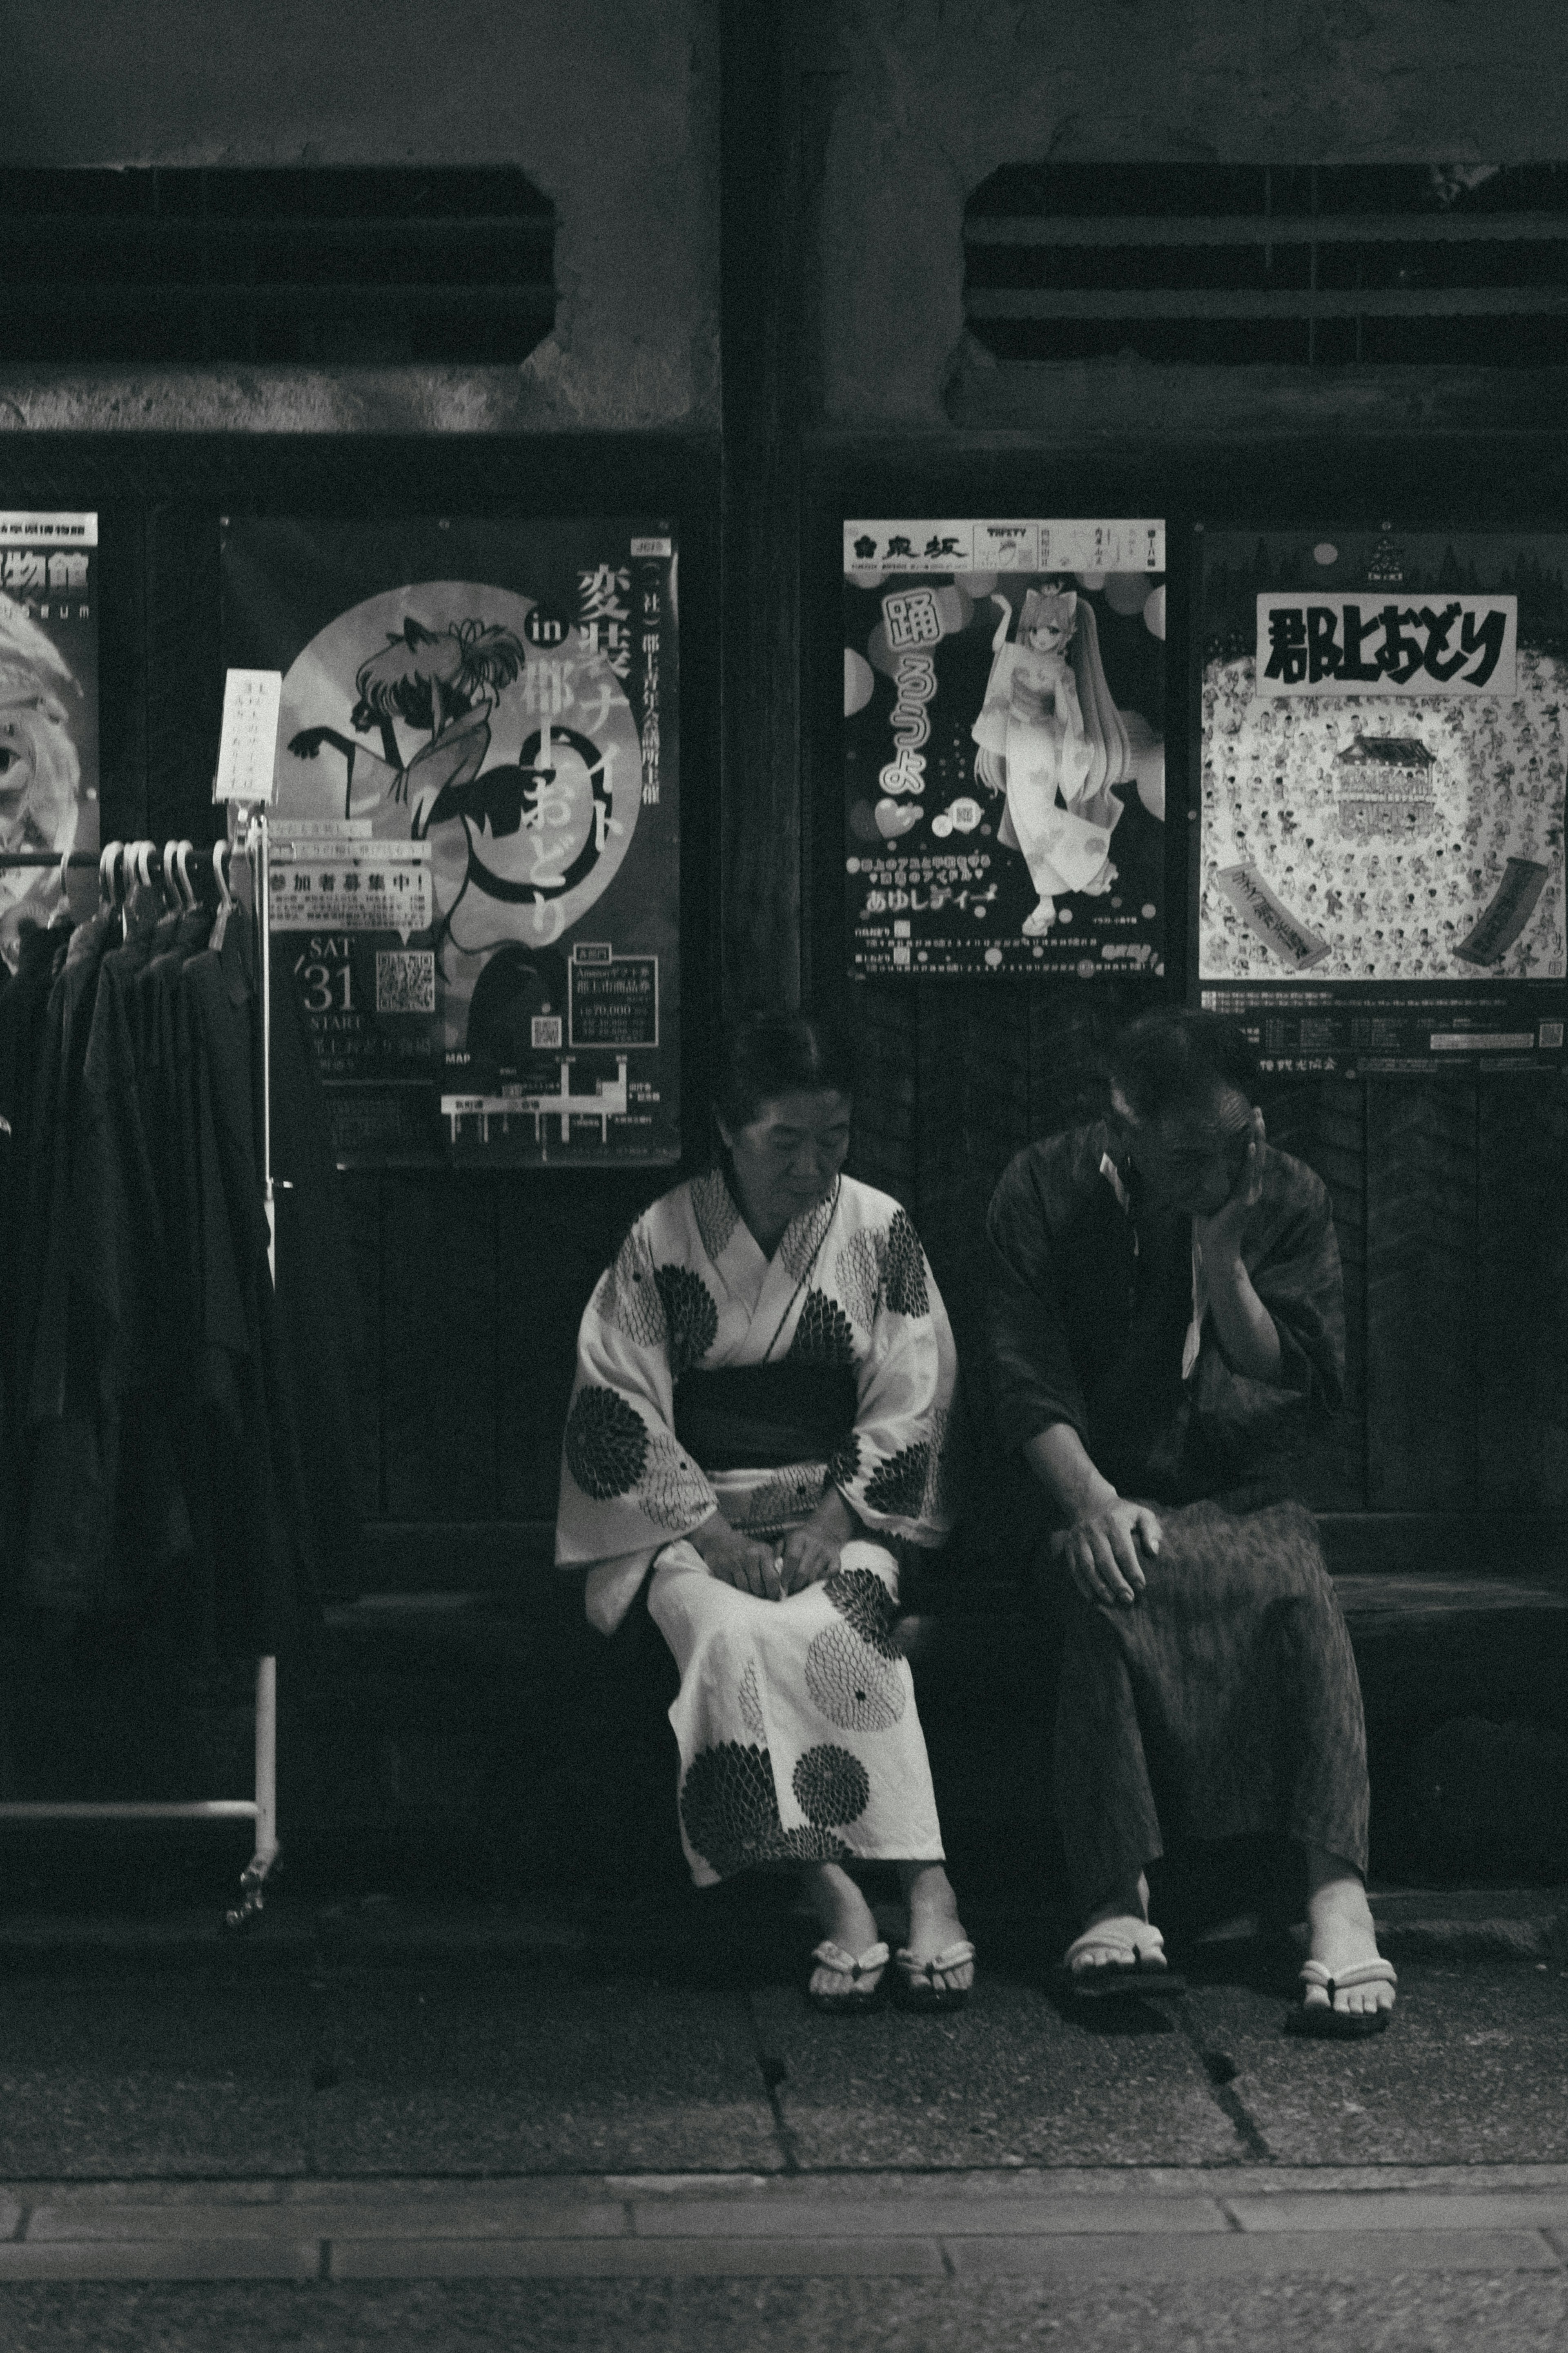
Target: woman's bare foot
[
  {"x": 846, "y": 1919},
  {"x": 934, "y": 1925},
  {"x": 1342, "y": 1936}
]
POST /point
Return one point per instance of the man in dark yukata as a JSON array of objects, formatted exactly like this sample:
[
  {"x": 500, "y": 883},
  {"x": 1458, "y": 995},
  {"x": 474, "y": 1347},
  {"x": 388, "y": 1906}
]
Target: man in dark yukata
[{"x": 1165, "y": 1315}]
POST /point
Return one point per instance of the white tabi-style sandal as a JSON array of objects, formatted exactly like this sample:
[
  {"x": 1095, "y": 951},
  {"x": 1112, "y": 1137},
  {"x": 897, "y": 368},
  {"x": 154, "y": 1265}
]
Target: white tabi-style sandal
[
  {"x": 872, "y": 1964},
  {"x": 1143, "y": 1970},
  {"x": 1331, "y": 2025}
]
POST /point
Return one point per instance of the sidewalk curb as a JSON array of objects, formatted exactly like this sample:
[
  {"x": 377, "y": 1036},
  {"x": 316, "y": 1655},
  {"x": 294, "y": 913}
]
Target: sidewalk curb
[{"x": 1075, "y": 2223}]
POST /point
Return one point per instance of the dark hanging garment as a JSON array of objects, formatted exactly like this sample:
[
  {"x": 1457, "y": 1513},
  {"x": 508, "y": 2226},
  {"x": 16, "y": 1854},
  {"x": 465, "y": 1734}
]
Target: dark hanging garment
[
  {"x": 107, "y": 1514},
  {"x": 70, "y": 1443},
  {"x": 24, "y": 1019},
  {"x": 266, "y": 1590}
]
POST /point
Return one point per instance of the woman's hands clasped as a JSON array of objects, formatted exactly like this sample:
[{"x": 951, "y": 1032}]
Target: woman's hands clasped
[
  {"x": 807, "y": 1554},
  {"x": 1103, "y": 1551},
  {"x": 811, "y": 1551},
  {"x": 737, "y": 1560}
]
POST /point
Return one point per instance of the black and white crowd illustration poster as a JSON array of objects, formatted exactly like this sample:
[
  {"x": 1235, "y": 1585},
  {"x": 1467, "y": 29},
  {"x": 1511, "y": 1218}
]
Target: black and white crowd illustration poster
[
  {"x": 1380, "y": 869},
  {"x": 1004, "y": 760},
  {"x": 48, "y": 709},
  {"x": 475, "y": 867}
]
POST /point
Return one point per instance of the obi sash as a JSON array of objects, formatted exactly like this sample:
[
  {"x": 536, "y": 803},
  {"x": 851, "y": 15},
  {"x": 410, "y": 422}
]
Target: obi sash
[{"x": 761, "y": 1417}]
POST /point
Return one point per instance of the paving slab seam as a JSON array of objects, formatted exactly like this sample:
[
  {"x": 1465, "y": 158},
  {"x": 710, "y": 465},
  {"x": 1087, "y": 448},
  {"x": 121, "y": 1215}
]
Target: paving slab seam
[
  {"x": 1276, "y": 2186},
  {"x": 1220, "y": 2072},
  {"x": 775, "y": 2074}
]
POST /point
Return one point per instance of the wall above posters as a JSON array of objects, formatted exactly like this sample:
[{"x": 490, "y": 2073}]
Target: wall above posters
[
  {"x": 1380, "y": 870},
  {"x": 1005, "y": 770},
  {"x": 476, "y": 827},
  {"x": 48, "y": 709}
]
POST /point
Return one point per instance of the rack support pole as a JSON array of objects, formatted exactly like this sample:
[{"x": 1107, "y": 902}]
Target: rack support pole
[{"x": 253, "y": 1880}]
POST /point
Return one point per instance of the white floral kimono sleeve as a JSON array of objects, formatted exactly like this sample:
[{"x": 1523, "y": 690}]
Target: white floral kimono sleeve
[
  {"x": 849, "y": 1287},
  {"x": 895, "y": 1468},
  {"x": 627, "y": 1486}
]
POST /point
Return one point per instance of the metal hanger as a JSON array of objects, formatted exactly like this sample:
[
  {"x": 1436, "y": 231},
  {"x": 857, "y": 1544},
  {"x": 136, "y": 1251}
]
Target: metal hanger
[{"x": 226, "y": 896}]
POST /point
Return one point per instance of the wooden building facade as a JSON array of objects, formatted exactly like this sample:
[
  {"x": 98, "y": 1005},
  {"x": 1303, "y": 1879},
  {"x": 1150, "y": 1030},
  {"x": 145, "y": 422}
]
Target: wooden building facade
[{"x": 757, "y": 319}]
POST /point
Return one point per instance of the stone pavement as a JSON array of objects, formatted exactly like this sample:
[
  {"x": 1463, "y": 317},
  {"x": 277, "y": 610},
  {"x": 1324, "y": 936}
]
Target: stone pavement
[{"x": 382, "y": 2096}]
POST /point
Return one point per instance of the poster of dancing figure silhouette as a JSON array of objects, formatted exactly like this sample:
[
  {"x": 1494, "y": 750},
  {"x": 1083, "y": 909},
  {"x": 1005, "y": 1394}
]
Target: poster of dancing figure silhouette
[
  {"x": 475, "y": 869},
  {"x": 1004, "y": 764}
]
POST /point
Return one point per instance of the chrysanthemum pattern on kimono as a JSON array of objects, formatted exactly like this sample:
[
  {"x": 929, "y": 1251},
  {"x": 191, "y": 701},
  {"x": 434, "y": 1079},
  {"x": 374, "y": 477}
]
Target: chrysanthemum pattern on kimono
[
  {"x": 798, "y": 1733},
  {"x": 849, "y": 1286}
]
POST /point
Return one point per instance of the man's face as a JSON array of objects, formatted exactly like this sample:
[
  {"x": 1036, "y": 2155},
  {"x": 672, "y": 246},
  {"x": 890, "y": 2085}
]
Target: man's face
[{"x": 1190, "y": 1159}]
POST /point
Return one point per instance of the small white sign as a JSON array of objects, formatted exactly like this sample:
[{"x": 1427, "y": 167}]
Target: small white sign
[
  {"x": 49, "y": 530},
  {"x": 1370, "y": 641},
  {"x": 247, "y": 751},
  {"x": 383, "y": 886},
  {"x": 1080, "y": 544}
]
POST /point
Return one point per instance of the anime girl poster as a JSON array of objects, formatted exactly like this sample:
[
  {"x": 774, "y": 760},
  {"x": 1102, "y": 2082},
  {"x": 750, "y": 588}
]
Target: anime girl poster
[
  {"x": 49, "y": 710},
  {"x": 1004, "y": 710},
  {"x": 475, "y": 829}
]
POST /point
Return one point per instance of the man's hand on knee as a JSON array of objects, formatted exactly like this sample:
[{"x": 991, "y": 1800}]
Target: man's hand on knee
[{"x": 1104, "y": 1550}]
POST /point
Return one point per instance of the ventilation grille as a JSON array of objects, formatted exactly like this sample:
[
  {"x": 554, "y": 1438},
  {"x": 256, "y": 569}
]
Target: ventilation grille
[
  {"x": 1409, "y": 264},
  {"x": 344, "y": 266}
]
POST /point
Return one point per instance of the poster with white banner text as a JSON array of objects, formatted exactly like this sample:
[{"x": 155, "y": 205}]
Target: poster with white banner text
[{"x": 1379, "y": 880}]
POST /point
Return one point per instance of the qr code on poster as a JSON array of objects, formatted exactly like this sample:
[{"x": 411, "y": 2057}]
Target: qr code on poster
[{"x": 406, "y": 980}]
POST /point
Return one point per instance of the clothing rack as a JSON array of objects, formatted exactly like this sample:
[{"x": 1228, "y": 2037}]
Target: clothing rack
[{"x": 261, "y": 1809}]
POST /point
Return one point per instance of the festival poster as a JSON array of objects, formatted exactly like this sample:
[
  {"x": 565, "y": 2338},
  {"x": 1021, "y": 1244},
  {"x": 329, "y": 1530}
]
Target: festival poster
[
  {"x": 1004, "y": 761},
  {"x": 48, "y": 709},
  {"x": 1380, "y": 869},
  {"x": 475, "y": 866}
]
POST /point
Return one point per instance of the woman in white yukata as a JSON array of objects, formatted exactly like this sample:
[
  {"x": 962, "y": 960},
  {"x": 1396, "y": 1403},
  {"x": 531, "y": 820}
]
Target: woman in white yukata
[{"x": 758, "y": 1425}]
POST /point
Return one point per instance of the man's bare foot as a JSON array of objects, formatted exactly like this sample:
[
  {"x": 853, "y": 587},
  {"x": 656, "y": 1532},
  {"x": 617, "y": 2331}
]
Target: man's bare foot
[
  {"x": 1123, "y": 1925},
  {"x": 845, "y": 1920},
  {"x": 1341, "y": 1936},
  {"x": 934, "y": 1925}
]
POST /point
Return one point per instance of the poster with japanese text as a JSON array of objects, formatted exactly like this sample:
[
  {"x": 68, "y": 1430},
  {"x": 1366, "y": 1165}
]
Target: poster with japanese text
[
  {"x": 475, "y": 831},
  {"x": 49, "y": 710},
  {"x": 1004, "y": 743},
  {"x": 1382, "y": 770}
]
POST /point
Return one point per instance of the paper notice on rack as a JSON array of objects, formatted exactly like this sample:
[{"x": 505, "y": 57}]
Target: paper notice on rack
[
  {"x": 335, "y": 886},
  {"x": 248, "y": 750},
  {"x": 315, "y": 830}
]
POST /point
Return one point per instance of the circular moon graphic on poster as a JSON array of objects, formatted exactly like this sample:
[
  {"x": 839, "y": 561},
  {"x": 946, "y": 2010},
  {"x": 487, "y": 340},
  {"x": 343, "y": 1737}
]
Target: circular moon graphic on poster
[{"x": 430, "y": 712}]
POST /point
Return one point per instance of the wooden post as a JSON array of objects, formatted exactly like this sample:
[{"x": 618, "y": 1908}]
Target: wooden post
[{"x": 760, "y": 276}]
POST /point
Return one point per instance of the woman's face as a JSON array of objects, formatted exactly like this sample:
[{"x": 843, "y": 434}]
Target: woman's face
[
  {"x": 1047, "y": 637},
  {"x": 788, "y": 1158},
  {"x": 1190, "y": 1159}
]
